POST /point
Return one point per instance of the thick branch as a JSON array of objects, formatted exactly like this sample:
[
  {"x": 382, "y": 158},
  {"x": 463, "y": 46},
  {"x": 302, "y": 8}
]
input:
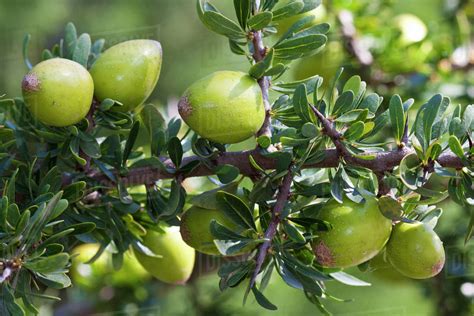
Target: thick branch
[
  {"x": 282, "y": 198},
  {"x": 381, "y": 162}
]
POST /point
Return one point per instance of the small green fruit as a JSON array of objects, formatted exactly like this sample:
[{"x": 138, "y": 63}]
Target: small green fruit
[
  {"x": 195, "y": 228},
  {"x": 359, "y": 232},
  {"x": 177, "y": 259},
  {"x": 225, "y": 107},
  {"x": 415, "y": 250},
  {"x": 101, "y": 271},
  {"x": 128, "y": 72},
  {"x": 58, "y": 92}
]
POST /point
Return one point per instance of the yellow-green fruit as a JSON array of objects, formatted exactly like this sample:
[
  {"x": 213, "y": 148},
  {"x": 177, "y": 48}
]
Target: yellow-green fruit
[
  {"x": 415, "y": 250},
  {"x": 176, "y": 261},
  {"x": 318, "y": 14},
  {"x": 58, "y": 92},
  {"x": 383, "y": 270},
  {"x": 101, "y": 271},
  {"x": 195, "y": 228},
  {"x": 128, "y": 72},
  {"x": 359, "y": 232},
  {"x": 225, "y": 107}
]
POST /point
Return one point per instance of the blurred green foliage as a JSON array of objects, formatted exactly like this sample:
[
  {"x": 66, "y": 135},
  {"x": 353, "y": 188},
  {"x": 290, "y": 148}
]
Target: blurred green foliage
[{"x": 191, "y": 51}]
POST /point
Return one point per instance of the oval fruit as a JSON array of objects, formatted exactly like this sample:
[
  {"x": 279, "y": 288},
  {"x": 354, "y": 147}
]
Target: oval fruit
[
  {"x": 58, "y": 92},
  {"x": 101, "y": 271},
  {"x": 176, "y": 260},
  {"x": 359, "y": 232},
  {"x": 128, "y": 72},
  {"x": 415, "y": 250},
  {"x": 225, "y": 107},
  {"x": 195, "y": 228}
]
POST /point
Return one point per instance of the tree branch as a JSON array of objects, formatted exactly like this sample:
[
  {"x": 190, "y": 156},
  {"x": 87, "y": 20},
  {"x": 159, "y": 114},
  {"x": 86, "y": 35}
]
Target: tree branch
[
  {"x": 282, "y": 198},
  {"x": 259, "y": 53},
  {"x": 381, "y": 162}
]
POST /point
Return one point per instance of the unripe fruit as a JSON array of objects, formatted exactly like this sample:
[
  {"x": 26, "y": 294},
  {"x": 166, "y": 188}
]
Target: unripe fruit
[
  {"x": 195, "y": 228},
  {"x": 177, "y": 259},
  {"x": 359, "y": 232},
  {"x": 225, "y": 107},
  {"x": 415, "y": 250},
  {"x": 128, "y": 72},
  {"x": 101, "y": 271},
  {"x": 58, "y": 92}
]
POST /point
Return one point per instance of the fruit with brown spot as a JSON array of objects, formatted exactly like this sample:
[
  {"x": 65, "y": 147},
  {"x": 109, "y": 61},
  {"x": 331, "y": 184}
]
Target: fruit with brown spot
[
  {"x": 359, "y": 232},
  {"x": 415, "y": 250}
]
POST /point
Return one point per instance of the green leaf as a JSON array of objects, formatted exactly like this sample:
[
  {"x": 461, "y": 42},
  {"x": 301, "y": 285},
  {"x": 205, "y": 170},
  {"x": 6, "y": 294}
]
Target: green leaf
[
  {"x": 311, "y": 84},
  {"x": 456, "y": 147},
  {"x": 300, "y": 103},
  {"x": 242, "y": 11},
  {"x": 371, "y": 102},
  {"x": 48, "y": 264},
  {"x": 259, "y": 21},
  {"x": 70, "y": 40},
  {"x": 175, "y": 151},
  {"x": 236, "y": 210},
  {"x": 264, "y": 141},
  {"x": 26, "y": 42},
  {"x": 262, "y": 300},
  {"x": 208, "y": 199},
  {"x": 309, "y": 130},
  {"x": 235, "y": 48},
  {"x": 258, "y": 70},
  {"x": 343, "y": 103},
  {"x": 293, "y": 233},
  {"x": 397, "y": 117},
  {"x": 355, "y": 131},
  {"x": 431, "y": 112},
  {"x": 222, "y": 25},
  {"x": 353, "y": 115},
  {"x": 82, "y": 50},
  {"x": 132, "y": 137},
  {"x": 297, "y": 47},
  {"x": 291, "y": 9},
  {"x": 409, "y": 169},
  {"x": 226, "y": 173},
  {"x": 348, "y": 279},
  {"x": 390, "y": 207}
]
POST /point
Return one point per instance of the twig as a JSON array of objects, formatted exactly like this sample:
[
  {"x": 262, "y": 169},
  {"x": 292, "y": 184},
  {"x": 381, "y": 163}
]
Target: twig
[
  {"x": 282, "y": 198},
  {"x": 259, "y": 53}
]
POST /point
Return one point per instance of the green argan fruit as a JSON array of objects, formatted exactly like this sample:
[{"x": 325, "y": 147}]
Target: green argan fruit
[
  {"x": 58, "y": 92},
  {"x": 101, "y": 271},
  {"x": 359, "y": 232},
  {"x": 128, "y": 72},
  {"x": 225, "y": 107},
  {"x": 415, "y": 250},
  {"x": 383, "y": 270},
  {"x": 195, "y": 228},
  {"x": 176, "y": 260}
]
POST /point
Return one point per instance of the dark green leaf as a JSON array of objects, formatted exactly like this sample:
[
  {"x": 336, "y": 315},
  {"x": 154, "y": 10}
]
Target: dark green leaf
[
  {"x": 262, "y": 300},
  {"x": 242, "y": 10},
  {"x": 132, "y": 137},
  {"x": 175, "y": 151},
  {"x": 227, "y": 173},
  {"x": 397, "y": 117},
  {"x": 236, "y": 210}
]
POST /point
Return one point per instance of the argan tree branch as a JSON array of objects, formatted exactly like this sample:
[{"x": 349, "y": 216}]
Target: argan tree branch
[
  {"x": 259, "y": 53},
  {"x": 282, "y": 198},
  {"x": 380, "y": 162}
]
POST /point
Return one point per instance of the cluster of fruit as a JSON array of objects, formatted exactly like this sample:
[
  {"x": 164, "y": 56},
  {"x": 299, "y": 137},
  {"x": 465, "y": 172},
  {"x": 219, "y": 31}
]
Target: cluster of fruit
[{"x": 224, "y": 107}]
